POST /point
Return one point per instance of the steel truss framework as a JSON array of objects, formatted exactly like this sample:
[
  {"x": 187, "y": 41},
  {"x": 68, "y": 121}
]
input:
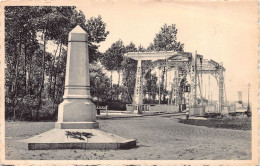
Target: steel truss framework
[{"x": 183, "y": 63}]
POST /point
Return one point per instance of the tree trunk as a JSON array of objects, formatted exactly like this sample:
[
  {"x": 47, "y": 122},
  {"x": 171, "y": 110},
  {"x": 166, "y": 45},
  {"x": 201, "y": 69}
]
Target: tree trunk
[
  {"x": 111, "y": 79},
  {"x": 118, "y": 78},
  {"x": 118, "y": 84},
  {"x": 50, "y": 82},
  {"x": 14, "y": 88},
  {"x": 163, "y": 80},
  {"x": 29, "y": 74},
  {"x": 128, "y": 96},
  {"x": 52, "y": 68},
  {"x": 166, "y": 92},
  {"x": 25, "y": 68},
  {"x": 42, "y": 81},
  {"x": 55, "y": 75},
  {"x": 29, "y": 81},
  {"x": 127, "y": 92}
]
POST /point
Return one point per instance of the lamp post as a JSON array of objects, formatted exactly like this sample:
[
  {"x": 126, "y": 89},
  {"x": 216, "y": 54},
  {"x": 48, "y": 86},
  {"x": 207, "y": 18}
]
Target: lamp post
[{"x": 248, "y": 107}]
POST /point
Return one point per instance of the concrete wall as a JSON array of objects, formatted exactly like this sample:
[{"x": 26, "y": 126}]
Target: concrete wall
[
  {"x": 225, "y": 110},
  {"x": 129, "y": 107},
  {"x": 210, "y": 109},
  {"x": 164, "y": 108},
  {"x": 232, "y": 108},
  {"x": 196, "y": 111},
  {"x": 229, "y": 109},
  {"x": 153, "y": 108}
]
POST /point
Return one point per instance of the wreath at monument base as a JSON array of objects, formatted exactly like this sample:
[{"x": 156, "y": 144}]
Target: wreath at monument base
[{"x": 78, "y": 135}]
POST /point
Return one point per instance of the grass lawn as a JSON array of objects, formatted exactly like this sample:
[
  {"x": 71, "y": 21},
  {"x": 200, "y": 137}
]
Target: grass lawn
[{"x": 236, "y": 123}]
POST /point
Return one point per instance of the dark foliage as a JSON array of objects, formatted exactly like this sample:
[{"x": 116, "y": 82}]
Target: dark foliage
[
  {"x": 34, "y": 78},
  {"x": 229, "y": 123}
]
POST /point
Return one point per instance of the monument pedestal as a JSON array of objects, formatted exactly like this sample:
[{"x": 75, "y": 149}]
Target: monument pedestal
[
  {"x": 76, "y": 125},
  {"x": 77, "y": 114},
  {"x": 57, "y": 139}
]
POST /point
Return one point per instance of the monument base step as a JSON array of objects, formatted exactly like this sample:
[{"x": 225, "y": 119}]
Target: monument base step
[
  {"x": 58, "y": 139},
  {"x": 76, "y": 125}
]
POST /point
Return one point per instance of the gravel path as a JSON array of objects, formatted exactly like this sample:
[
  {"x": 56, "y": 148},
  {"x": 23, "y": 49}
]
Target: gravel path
[{"x": 158, "y": 138}]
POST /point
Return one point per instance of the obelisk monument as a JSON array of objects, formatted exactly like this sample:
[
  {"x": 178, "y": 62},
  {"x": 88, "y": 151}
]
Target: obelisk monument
[
  {"x": 77, "y": 111},
  {"x": 77, "y": 114}
]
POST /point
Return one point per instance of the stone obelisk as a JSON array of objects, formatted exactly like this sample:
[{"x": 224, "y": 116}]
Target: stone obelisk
[
  {"x": 77, "y": 111},
  {"x": 77, "y": 114}
]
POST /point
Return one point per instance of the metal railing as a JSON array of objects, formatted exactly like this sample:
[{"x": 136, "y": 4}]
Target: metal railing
[{"x": 143, "y": 108}]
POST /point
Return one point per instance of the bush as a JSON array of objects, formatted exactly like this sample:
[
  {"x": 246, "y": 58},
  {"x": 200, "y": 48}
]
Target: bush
[
  {"x": 99, "y": 103},
  {"x": 234, "y": 123},
  {"x": 150, "y": 101},
  {"x": 48, "y": 110},
  {"x": 24, "y": 107},
  {"x": 117, "y": 105},
  {"x": 112, "y": 105}
]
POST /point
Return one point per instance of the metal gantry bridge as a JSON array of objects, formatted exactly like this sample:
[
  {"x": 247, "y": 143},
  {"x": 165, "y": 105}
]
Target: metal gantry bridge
[{"x": 184, "y": 64}]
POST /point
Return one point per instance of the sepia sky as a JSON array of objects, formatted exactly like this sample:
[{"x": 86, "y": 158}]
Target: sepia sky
[{"x": 223, "y": 31}]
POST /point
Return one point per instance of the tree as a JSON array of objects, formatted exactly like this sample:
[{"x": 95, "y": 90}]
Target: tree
[
  {"x": 141, "y": 48},
  {"x": 129, "y": 72},
  {"x": 20, "y": 42},
  {"x": 99, "y": 83},
  {"x": 97, "y": 33},
  {"x": 150, "y": 47},
  {"x": 166, "y": 40},
  {"x": 33, "y": 74},
  {"x": 151, "y": 87},
  {"x": 113, "y": 58},
  {"x": 54, "y": 24}
]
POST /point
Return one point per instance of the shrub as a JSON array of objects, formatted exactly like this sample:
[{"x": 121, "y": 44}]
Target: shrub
[
  {"x": 234, "y": 123},
  {"x": 48, "y": 110},
  {"x": 112, "y": 105},
  {"x": 117, "y": 105}
]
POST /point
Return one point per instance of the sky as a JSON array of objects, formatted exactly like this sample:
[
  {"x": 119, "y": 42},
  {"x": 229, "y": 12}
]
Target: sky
[{"x": 225, "y": 31}]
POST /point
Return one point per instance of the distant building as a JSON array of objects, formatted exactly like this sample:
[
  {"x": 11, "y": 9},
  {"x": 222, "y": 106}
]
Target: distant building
[{"x": 239, "y": 103}]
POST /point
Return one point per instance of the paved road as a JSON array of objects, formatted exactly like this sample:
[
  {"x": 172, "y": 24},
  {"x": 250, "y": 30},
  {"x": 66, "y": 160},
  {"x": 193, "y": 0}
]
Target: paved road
[{"x": 158, "y": 138}]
